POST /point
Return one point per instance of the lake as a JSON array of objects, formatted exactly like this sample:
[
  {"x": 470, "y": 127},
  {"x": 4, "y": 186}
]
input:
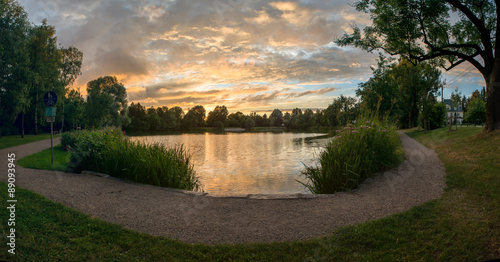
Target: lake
[{"x": 248, "y": 163}]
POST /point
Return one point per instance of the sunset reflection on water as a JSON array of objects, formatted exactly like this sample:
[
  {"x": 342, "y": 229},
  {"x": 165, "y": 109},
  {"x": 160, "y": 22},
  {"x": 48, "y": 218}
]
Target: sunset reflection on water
[{"x": 248, "y": 163}]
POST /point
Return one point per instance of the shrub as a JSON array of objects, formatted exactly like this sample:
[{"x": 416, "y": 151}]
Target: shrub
[
  {"x": 356, "y": 153},
  {"x": 107, "y": 151}
]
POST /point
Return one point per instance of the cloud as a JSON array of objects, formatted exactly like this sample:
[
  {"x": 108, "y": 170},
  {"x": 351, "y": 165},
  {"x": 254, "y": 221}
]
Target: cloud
[{"x": 183, "y": 51}]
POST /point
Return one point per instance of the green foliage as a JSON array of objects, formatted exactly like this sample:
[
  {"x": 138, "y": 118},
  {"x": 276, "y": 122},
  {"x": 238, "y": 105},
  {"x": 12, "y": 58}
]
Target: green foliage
[
  {"x": 437, "y": 116},
  {"x": 341, "y": 112},
  {"x": 14, "y": 61},
  {"x": 356, "y": 153},
  {"x": 276, "y": 118},
  {"x": 88, "y": 147},
  {"x": 153, "y": 164},
  {"x": 106, "y": 102},
  {"x": 401, "y": 91},
  {"x": 74, "y": 108},
  {"x": 476, "y": 111},
  {"x": 249, "y": 123},
  {"x": 425, "y": 31},
  {"x": 219, "y": 114},
  {"x": 194, "y": 118},
  {"x": 107, "y": 151}
]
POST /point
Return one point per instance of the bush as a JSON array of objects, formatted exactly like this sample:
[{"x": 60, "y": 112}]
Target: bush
[
  {"x": 476, "y": 112},
  {"x": 108, "y": 151},
  {"x": 356, "y": 153}
]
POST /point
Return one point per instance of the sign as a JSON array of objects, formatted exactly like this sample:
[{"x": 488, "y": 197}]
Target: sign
[
  {"x": 50, "y": 98},
  {"x": 50, "y": 111}
]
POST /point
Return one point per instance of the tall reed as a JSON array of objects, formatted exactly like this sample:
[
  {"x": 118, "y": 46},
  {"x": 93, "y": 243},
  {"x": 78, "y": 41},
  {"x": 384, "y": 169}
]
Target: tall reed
[
  {"x": 356, "y": 153},
  {"x": 107, "y": 151}
]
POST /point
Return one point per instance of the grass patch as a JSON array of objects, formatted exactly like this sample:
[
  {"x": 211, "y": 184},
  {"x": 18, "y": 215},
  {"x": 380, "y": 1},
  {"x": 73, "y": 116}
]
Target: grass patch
[
  {"x": 10, "y": 141},
  {"x": 461, "y": 226},
  {"x": 42, "y": 160}
]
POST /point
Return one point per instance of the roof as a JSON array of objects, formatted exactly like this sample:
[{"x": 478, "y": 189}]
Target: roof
[{"x": 449, "y": 102}]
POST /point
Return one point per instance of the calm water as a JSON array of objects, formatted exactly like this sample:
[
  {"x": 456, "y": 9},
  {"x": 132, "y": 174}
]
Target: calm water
[{"x": 248, "y": 163}]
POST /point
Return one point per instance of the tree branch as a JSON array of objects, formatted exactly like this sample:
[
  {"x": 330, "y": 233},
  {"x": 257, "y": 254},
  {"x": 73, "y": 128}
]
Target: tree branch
[
  {"x": 442, "y": 52},
  {"x": 485, "y": 32}
]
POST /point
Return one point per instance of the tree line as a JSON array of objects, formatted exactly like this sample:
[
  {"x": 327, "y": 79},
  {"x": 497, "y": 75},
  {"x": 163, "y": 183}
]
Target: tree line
[{"x": 31, "y": 63}]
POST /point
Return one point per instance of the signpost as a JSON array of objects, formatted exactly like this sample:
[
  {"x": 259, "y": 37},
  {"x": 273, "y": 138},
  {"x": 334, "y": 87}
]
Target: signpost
[{"x": 50, "y": 100}]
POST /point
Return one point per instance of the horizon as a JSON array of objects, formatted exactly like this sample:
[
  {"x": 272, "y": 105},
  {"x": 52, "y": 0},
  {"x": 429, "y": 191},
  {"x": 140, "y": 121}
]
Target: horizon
[{"x": 249, "y": 56}]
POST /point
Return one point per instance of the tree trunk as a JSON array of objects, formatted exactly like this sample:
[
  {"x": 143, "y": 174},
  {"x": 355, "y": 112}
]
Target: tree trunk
[
  {"x": 22, "y": 125},
  {"x": 62, "y": 125},
  {"x": 36, "y": 115},
  {"x": 493, "y": 99}
]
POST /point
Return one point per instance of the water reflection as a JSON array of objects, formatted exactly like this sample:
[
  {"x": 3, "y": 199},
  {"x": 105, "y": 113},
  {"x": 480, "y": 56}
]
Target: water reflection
[{"x": 248, "y": 163}]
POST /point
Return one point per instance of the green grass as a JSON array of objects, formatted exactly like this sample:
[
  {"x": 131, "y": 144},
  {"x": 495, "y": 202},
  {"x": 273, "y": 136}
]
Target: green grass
[
  {"x": 461, "y": 226},
  {"x": 10, "y": 141},
  {"x": 42, "y": 160}
]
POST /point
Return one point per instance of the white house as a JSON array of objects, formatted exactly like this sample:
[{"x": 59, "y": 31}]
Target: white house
[{"x": 454, "y": 111}]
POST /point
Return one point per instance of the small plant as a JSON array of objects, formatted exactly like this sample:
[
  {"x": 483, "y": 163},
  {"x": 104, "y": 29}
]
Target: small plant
[{"x": 356, "y": 153}]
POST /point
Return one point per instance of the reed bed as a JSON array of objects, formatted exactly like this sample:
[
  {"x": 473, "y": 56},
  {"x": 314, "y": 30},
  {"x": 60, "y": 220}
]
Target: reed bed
[
  {"x": 356, "y": 153},
  {"x": 109, "y": 152}
]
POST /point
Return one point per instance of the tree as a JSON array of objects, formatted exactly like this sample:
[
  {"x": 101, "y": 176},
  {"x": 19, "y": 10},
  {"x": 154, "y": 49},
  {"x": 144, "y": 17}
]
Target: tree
[
  {"x": 417, "y": 83},
  {"x": 178, "y": 114},
  {"x": 106, "y": 102},
  {"x": 423, "y": 30},
  {"x": 195, "y": 117},
  {"x": 456, "y": 97},
  {"x": 137, "y": 114},
  {"x": 70, "y": 68},
  {"x": 477, "y": 111},
  {"x": 14, "y": 63},
  {"x": 219, "y": 114},
  {"x": 276, "y": 118},
  {"x": 235, "y": 119},
  {"x": 380, "y": 92},
  {"x": 249, "y": 123},
  {"x": 74, "y": 109},
  {"x": 45, "y": 60},
  {"x": 153, "y": 120}
]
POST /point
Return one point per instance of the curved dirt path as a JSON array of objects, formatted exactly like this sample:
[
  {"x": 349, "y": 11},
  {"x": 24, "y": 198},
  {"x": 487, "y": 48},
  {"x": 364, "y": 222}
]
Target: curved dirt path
[{"x": 195, "y": 218}]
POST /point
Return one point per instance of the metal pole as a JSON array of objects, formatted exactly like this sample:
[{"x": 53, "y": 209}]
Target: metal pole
[{"x": 51, "y": 142}]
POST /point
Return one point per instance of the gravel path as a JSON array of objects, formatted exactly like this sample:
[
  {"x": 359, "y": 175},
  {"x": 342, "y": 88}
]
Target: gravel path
[{"x": 195, "y": 218}]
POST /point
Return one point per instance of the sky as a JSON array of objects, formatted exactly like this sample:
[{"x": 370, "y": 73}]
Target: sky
[{"x": 247, "y": 55}]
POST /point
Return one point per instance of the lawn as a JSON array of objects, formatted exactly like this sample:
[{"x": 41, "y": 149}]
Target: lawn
[
  {"x": 464, "y": 225},
  {"x": 42, "y": 160},
  {"x": 10, "y": 141}
]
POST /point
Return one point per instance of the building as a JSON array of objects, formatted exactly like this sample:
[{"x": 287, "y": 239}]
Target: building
[{"x": 454, "y": 111}]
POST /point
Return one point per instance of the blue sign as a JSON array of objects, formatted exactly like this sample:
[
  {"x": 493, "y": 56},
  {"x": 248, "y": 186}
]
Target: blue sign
[{"x": 50, "y": 98}]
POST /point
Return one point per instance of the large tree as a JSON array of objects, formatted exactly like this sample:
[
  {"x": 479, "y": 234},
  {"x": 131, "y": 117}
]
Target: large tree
[
  {"x": 217, "y": 116},
  {"x": 106, "y": 102},
  {"x": 69, "y": 68},
  {"x": 45, "y": 60},
  {"x": 423, "y": 30},
  {"x": 14, "y": 59}
]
